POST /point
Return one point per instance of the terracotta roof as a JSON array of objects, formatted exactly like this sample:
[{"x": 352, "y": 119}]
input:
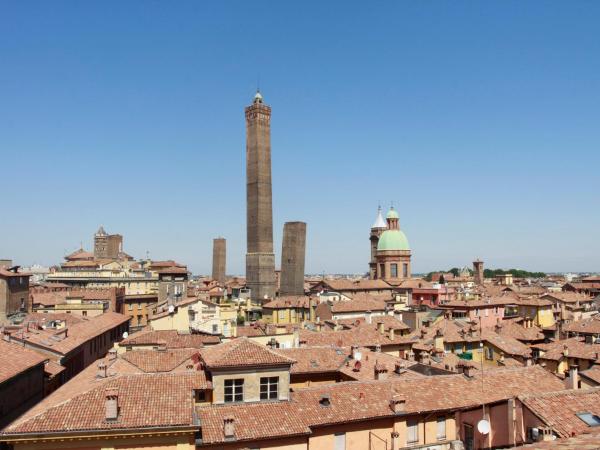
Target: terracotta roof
[
  {"x": 587, "y": 441},
  {"x": 252, "y": 421},
  {"x": 159, "y": 361},
  {"x": 261, "y": 328},
  {"x": 80, "y": 263},
  {"x": 362, "y": 284},
  {"x": 569, "y": 297},
  {"x": 577, "y": 348},
  {"x": 486, "y": 302},
  {"x": 141, "y": 398},
  {"x": 584, "y": 326},
  {"x": 16, "y": 359},
  {"x": 364, "y": 336},
  {"x": 77, "y": 333},
  {"x": 315, "y": 359},
  {"x": 242, "y": 352},
  {"x": 359, "y": 400},
  {"x": 558, "y": 409},
  {"x": 289, "y": 301},
  {"x": 533, "y": 301},
  {"x": 358, "y": 305},
  {"x": 593, "y": 373},
  {"x": 79, "y": 255},
  {"x": 512, "y": 329},
  {"x": 172, "y": 339}
]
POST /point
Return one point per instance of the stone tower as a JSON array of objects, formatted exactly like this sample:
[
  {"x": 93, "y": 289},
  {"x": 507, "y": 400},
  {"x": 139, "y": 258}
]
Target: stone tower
[
  {"x": 219, "y": 260},
  {"x": 378, "y": 227},
  {"x": 478, "y": 271},
  {"x": 292, "y": 258},
  {"x": 260, "y": 260}
]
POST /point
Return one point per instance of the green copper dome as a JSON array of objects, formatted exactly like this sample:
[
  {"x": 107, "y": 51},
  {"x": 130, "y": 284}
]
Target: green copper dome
[
  {"x": 392, "y": 240},
  {"x": 392, "y": 214}
]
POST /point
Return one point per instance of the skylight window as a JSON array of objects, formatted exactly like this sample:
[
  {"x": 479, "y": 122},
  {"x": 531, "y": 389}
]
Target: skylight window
[{"x": 590, "y": 419}]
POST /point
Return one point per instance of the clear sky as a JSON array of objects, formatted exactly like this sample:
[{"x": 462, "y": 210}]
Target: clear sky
[{"x": 479, "y": 120}]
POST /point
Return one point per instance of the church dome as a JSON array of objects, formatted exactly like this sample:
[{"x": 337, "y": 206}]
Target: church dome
[
  {"x": 393, "y": 240},
  {"x": 392, "y": 214}
]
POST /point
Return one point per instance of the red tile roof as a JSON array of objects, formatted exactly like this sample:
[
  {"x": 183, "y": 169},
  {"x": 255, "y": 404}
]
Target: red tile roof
[
  {"x": 242, "y": 352},
  {"x": 558, "y": 409},
  {"x": 16, "y": 359},
  {"x": 289, "y": 301},
  {"x": 172, "y": 339}
]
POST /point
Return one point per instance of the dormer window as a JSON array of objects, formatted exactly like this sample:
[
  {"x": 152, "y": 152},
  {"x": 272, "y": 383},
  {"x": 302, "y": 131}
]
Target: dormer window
[
  {"x": 234, "y": 390},
  {"x": 269, "y": 388}
]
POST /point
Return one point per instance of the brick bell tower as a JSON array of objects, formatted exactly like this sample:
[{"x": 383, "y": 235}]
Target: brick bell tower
[{"x": 260, "y": 259}]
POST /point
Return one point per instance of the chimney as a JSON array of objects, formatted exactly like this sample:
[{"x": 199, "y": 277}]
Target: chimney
[
  {"x": 565, "y": 350},
  {"x": 296, "y": 337},
  {"x": 528, "y": 362},
  {"x": 162, "y": 346},
  {"x": 425, "y": 358},
  {"x": 5, "y": 335},
  {"x": 112, "y": 403},
  {"x": 102, "y": 370},
  {"x": 369, "y": 316},
  {"x": 378, "y": 348},
  {"x": 112, "y": 354},
  {"x": 228, "y": 428},
  {"x": 354, "y": 351},
  {"x": 469, "y": 371},
  {"x": 381, "y": 327},
  {"x": 392, "y": 334},
  {"x": 411, "y": 355},
  {"x": 380, "y": 371},
  {"x": 398, "y": 315},
  {"x": 399, "y": 368},
  {"x": 398, "y": 404},
  {"x": 573, "y": 380},
  {"x": 546, "y": 434}
]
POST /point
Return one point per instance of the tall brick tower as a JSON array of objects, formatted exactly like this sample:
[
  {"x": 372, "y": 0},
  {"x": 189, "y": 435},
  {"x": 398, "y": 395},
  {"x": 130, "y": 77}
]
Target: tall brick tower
[
  {"x": 260, "y": 259},
  {"x": 219, "y": 259},
  {"x": 292, "y": 258},
  {"x": 478, "y": 271}
]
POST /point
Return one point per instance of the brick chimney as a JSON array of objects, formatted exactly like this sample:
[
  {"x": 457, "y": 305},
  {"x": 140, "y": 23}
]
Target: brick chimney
[
  {"x": 411, "y": 355},
  {"x": 229, "y": 428},
  {"x": 424, "y": 357},
  {"x": 112, "y": 403},
  {"x": 5, "y": 335},
  {"x": 398, "y": 404},
  {"x": 399, "y": 367}
]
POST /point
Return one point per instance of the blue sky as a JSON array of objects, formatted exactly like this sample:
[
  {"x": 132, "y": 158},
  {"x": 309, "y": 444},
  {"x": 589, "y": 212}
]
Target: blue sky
[{"x": 479, "y": 120}]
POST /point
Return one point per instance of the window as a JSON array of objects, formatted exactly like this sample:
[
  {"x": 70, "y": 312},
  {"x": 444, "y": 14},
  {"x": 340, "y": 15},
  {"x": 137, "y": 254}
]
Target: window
[
  {"x": 269, "y": 388},
  {"x": 412, "y": 431},
  {"x": 590, "y": 419},
  {"x": 405, "y": 270},
  {"x": 441, "y": 428},
  {"x": 215, "y": 328},
  {"x": 381, "y": 270},
  {"x": 282, "y": 314},
  {"x": 84, "y": 313},
  {"x": 234, "y": 390},
  {"x": 130, "y": 306},
  {"x": 394, "y": 270},
  {"x": 339, "y": 441},
  {"x": 489, "y": 353}
]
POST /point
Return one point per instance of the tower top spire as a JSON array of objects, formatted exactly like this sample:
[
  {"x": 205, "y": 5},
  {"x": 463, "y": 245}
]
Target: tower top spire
[
  {"x": 379, "y": 222},
  {"x": 258, "y": 98}
]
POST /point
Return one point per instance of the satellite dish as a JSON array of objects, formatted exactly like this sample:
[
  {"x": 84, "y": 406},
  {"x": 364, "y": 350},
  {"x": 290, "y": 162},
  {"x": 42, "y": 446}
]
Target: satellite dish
[
  {"x": 125, "y": 335},
  {"x": 483, "y": 426},
  {"x": 171, "y": 309}
]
